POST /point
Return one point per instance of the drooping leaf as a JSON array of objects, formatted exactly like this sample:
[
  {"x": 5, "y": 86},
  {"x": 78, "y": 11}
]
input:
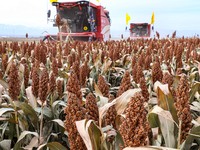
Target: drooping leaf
[
  {"x": 31, "y": 97},
  {"x": 195, "y": 106},
  {"x": 163, "y": 87},
  {"x": 149, "y": 148},
  {"x": 60, "y": 122},
  {"x": 194, "y": 134},
  {"x": 195, "y": 88},
  {"x": 10, "y": 60},
  {"x": 4, "y": 84},
  {"x": 103, "y": 110},
  {"x": 1, "y": 91},
  {"x": 167, "y": 129},
  {"x": 122, "y": 100},
  {"x": 5, "y": 110},
  {"x": 118, "y": 141},
  {"x": 90, "y": 133},
  {"x": 24, "y": 133},
  {"x": 55, "y": 146},
  {"x": 165, "y": 99},
  {"x": 102, "y": 101},
  {"x": 22, "y": 136},
  {"x": 5, "y": 144},
  {"x": 153, "y": 120},
  {"x": 33, "y": 143},
  {"x": 82, "y": 127},
  {"x": 29, "y": 112},
  {"x": 95, "y": 136},
  {"x": 119, "y": 102},
  {"x": 106, "y": 65},
  {"x": 163, "y": 119},
  {"x": 97, "y": 90}
]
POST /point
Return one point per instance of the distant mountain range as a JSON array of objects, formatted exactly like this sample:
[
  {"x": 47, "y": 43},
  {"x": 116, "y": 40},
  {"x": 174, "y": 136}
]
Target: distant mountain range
[{"x": 20, "y": 31}]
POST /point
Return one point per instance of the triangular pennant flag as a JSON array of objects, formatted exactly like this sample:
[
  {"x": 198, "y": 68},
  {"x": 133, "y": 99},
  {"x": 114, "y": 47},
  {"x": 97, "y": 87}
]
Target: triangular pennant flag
[
  {"x": 53, "y": 1},
  {"x": 152, "y": 18},
  {"x": 128, "y": 18}
]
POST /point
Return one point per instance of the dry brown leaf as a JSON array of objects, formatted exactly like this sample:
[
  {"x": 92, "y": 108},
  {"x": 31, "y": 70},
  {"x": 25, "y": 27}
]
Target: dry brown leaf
[
  {"x": 149, "y": 148},
  {"x": 120, "y": 103},
  {"x": 106, "y": 65},
  {"x": 123, "y": 99},
  {"x": 31, "y": 97},
  {"x": 163, "y": 87},
  {"x": 97, "y": 90},
  {"x": 1, "y": 91},
  {"x": 83, "y": 131}
]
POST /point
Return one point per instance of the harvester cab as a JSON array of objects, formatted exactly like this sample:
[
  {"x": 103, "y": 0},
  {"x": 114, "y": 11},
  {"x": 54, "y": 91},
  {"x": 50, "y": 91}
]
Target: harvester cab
[
  {"x": 81, "y": 20},
  {"x": 140, "y": 30}
]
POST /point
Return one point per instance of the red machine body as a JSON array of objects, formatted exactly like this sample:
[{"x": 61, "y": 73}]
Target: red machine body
[
  {"x": 140, "y": 30},
  {"x": 83, "y": 20}
]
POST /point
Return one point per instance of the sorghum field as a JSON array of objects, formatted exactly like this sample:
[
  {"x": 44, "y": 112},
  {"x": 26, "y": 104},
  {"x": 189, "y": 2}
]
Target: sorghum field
[{"x": 124, "y": 94}]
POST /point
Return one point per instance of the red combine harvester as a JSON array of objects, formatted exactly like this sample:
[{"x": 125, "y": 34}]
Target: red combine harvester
[
  {"x": 140, "y": 30},
  {"x": 81, "y": 20}
]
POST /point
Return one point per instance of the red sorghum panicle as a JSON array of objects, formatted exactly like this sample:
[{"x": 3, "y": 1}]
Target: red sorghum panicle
[
  {"x": 179, "y": 71},
  {"x": 74, "y": 112},
  {"x": 55, "y": 67},
  {"x": 111, "y": 114},
  {"x": 141, "y": 60},
  {"x": 36, "y": 65},
  {"x": 37, "y": 53},
  {"x": 1, "y": 74},
  {"x": 134, "y": 72},
  {"x": 26, "y": 75},
  {"x": 125, "y": 83},
  {"x": 103, "y": 86},
  {"x": 59, "y": 85},
  {"x": 73, "y": 85},
  {"x": 183, "y": 107},
  {"x": 156, "y": 72},
  {"x": 139, "y": 74},
  {"x": 43, "y": 85},
  {"x": 52, "y": 82},
  {"x": 75, "y": 68},
  {"x": 13, "y": 82},
  {"x": 143, "y": 86},
  {"x": 133, "y": 61},
  {"x": 35, "y": 82},
  {"x": 178, "y": 57},
  {"x": 84, "y": 71},
  {"x": 92, "y": 111},
  {"x": 147, "y": 62},
  {"x": 167, "y": 79},
  {"x": 4, "y": 62},
  {"x": 43, "y": 58},
  {"x": 134, "y": 129},
  {"x": 60, "y": 61}
]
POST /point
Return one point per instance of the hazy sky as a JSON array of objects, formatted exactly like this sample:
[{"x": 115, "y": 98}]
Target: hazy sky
[{"x": 169, "y": 14}]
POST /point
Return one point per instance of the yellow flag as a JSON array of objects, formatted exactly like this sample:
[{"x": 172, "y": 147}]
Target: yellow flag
[
  {"x": 53, "y": 1},
  {"x": 152, "y": 18},
  {"x": 98, "y": 0},
  {"x": 128, "y": 18}
]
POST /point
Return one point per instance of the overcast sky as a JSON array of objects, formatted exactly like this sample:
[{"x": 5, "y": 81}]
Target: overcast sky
[{"x": 169, "y": 14}]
